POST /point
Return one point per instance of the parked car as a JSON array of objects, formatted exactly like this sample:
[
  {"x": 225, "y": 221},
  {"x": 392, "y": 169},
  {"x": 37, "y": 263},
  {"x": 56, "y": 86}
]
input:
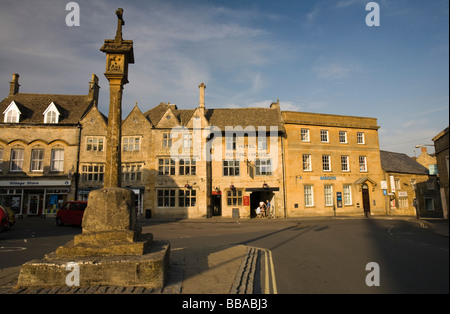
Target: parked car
[
  {"x": 71, "y": 213},
  {"x": 7, "y": 218}
]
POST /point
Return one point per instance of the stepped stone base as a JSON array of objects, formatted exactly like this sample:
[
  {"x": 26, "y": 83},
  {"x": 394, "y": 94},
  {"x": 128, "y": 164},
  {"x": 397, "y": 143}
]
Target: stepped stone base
[
  {"x": 111, "y": 251},
  {"x": 148, "y": 270}
]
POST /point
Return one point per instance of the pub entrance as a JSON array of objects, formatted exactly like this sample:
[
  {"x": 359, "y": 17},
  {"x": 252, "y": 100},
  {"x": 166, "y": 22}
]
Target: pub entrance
[
  {"x": 261, "y": 195},
  {"x": 216, "y": 202}
]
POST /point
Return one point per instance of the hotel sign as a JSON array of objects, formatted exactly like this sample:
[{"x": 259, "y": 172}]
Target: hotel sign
[{"x": 31, "y": 183}]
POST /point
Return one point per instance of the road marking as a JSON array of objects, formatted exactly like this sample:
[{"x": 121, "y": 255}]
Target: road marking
[
  {"x": 269, "y": 277},
  {"x": 4, "y": 249}
]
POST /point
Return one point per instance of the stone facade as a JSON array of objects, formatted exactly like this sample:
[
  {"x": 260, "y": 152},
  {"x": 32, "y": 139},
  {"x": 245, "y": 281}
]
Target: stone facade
[
  {"x": 411, "y": 190},
  {"x": 442, "y": 157},
  {"x": 332, "y": 165},
  {"x": 306, "y": 164},
  {"x": 39, "y": 148}
]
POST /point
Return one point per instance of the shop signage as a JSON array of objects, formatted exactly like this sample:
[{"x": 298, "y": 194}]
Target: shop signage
[
  {"x": 327, "y": 178},
  {"x": 30, "y": 183}
]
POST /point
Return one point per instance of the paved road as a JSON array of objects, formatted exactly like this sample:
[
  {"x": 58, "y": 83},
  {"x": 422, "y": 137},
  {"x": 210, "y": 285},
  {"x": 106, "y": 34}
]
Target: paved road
[
  {"x": 330, "y": 256},
  {"x": 296, "y": 256}
]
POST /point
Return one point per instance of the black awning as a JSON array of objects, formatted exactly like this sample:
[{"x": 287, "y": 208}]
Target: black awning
[{"x": 262, "y": 189}]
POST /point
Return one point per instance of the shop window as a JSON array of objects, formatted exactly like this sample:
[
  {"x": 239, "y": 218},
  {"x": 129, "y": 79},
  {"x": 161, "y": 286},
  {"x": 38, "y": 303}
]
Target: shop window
[
  {"x": 187, "y": 198},
  {"x": 166, "y": 198},
  {"x": 234, "y": 197}
]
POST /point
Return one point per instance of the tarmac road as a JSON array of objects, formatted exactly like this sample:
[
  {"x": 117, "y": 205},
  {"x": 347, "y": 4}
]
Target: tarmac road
[{"x": 282, "y": 256}]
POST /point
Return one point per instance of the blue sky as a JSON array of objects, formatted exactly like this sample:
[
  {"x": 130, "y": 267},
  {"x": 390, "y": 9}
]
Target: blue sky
[{"x": 315, "y": 56}]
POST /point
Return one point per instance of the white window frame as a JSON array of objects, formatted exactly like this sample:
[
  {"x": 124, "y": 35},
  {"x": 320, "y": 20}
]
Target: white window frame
[
  {"x": 309, "y": 195},
  {"x": 57, "y": 162},
  {"x": 360, "y": 138},
  {"x": 345, "y": 165},
  {"x": 326, "y": 163},
  {"x": 343, "y": 137},
  {"x": 304, "y": 135},
  {"x": 307, "y": 165},
  {"x": 51, "y": 114},
  {"x": 37, "y": 162},
  {"x": 328, "y": 195},
  {"x": 12, "y": 113},
  {"x": 362, "y": 163},
  {"x": 17, "y": 156},
  {"x": 324, "y": 136},
  {"x": 347, "y": 194}
]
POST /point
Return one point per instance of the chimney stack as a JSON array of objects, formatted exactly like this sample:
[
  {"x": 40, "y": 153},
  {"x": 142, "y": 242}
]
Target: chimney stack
[
  {"x": 201, "y": 103},
  {"x": 94, "y": 88},
  {"x": 14, "y": 85}
]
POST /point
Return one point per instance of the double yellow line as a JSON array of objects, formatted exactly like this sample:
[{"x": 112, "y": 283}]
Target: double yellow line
[{"x": 269, "y": 277}]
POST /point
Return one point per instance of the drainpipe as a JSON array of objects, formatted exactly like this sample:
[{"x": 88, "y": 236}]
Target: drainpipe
[
  {"x": 284, "y": 176},
  {"x": 76, "y": 174}
]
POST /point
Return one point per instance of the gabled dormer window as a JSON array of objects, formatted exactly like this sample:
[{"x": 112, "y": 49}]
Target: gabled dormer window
[
  {"x": 51, "y": 114},
  {"x": 12, "y": 113}
]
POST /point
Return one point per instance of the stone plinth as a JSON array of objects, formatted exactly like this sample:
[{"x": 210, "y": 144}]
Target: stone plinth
[
  {"x": 109, "y": 227},
  {"x": 110, "y": 251},
  {"x": 148, "y": 270}
]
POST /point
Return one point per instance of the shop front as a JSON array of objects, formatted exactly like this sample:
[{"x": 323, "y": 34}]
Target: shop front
[{"x": 34, "y": 197}]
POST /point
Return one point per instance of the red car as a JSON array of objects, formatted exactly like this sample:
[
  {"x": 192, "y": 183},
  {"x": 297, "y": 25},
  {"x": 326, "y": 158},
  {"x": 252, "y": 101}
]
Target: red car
[
  {"x": 71, "y": 213},
  {"x": 7, "y": 218}
]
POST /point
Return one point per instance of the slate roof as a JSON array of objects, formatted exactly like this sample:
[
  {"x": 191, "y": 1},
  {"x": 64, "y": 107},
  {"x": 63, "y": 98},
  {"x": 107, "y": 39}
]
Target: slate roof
[
  {"x": 222, "y": 117},
  {"x": 400, "y": 163},
  {"x": 32, "y": 106}
]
